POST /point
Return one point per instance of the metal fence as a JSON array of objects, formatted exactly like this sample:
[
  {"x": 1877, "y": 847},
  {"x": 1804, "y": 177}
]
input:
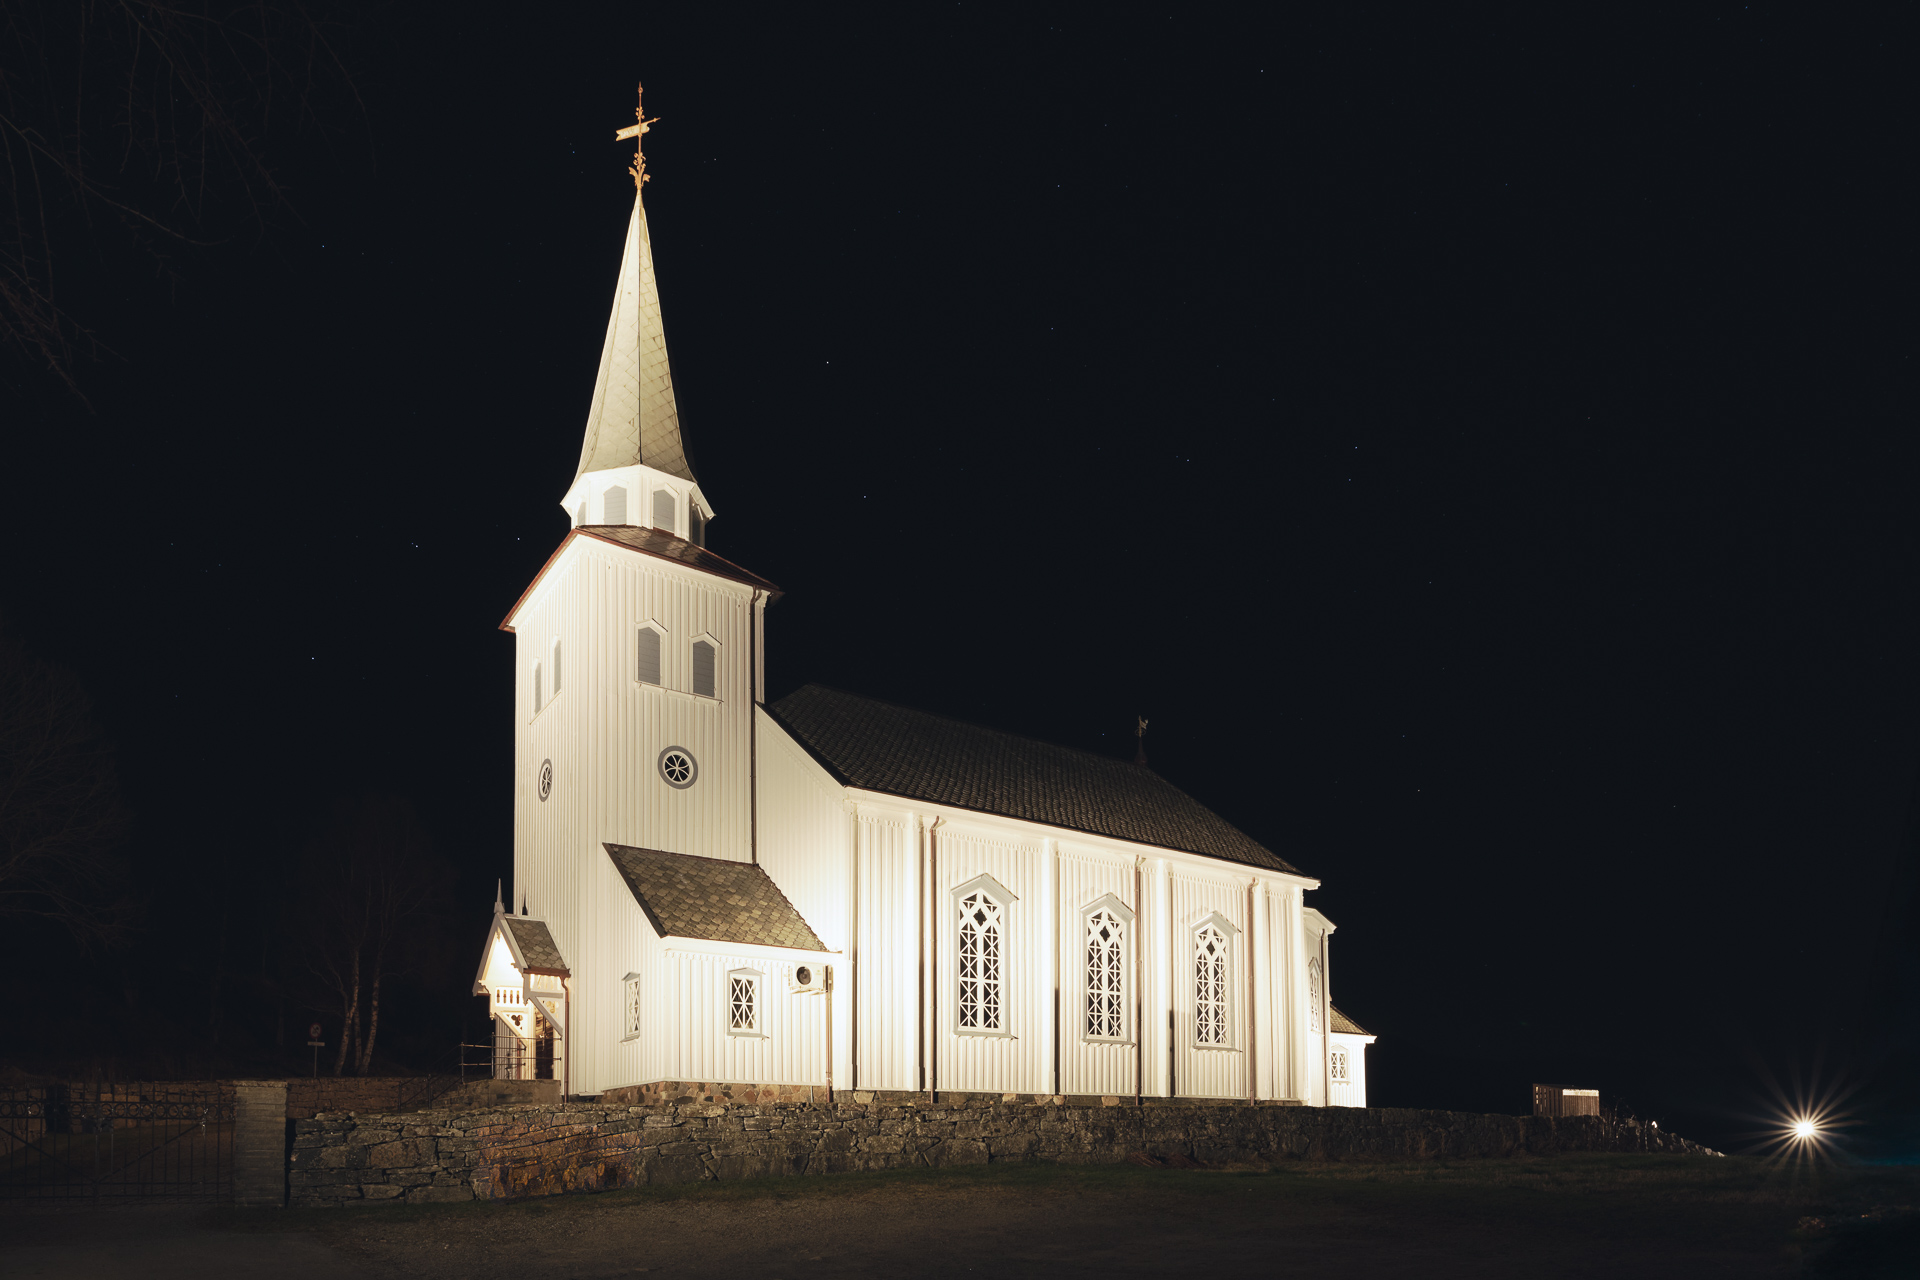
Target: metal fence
[{"x": 99, "y": 1143}]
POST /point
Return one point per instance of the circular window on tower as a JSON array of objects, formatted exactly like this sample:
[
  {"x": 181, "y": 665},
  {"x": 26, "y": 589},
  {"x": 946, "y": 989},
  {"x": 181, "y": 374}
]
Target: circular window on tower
[
  {"x": 678, "y": 769},
  {"x": 546, "y": 778}
]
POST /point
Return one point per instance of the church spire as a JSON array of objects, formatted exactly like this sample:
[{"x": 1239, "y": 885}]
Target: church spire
[{"x": 633, "y": 419}]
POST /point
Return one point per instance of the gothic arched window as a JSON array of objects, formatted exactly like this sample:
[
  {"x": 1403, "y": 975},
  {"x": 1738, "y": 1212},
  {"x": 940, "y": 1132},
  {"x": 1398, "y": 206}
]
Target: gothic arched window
[
  {"x": 1210, "y": 1004},
  {"x": 555, "y": 674},
  {"x": 983, "y": 1005},
  {"x": 1313, "y": 995},
  {"x": 1106, "y": 976},
  {"x": 537, "y": 703}
]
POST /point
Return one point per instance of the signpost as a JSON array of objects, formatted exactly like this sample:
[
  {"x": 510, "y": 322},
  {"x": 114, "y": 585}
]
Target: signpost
[{"x": 315, "y": 1043}]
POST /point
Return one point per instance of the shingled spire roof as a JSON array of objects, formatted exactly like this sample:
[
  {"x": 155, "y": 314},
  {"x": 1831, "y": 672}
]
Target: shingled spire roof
[{"x": 634, "y": 418}]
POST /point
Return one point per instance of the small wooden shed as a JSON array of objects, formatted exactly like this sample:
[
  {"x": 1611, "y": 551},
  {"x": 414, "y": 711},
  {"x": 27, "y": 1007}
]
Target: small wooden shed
[{"x": 1558, "y": 1100}]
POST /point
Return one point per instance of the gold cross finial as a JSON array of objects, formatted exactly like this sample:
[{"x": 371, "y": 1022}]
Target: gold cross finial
[{"x": 637, "y": 132}]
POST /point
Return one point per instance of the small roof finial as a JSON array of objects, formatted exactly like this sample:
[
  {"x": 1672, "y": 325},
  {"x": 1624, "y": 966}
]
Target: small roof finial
[
  {"x": 1140, "y": 737},
  {"x": 638, "y": 133},
  {"x": 499, "y": 907},
  {"x": 523, "y": 905}
]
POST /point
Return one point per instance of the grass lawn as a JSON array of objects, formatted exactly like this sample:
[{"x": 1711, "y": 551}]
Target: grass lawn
[{"x": 1564, "y": 1216}]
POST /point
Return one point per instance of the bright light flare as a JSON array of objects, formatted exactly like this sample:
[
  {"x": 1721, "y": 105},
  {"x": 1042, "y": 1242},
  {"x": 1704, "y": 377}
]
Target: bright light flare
[{"x": 1804, "y": 1129}]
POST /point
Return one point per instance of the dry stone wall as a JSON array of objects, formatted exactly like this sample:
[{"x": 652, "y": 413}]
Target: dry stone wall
[{"x": 515, "y": 1152}]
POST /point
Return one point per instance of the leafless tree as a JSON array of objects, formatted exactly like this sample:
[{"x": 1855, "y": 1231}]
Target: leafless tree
[
  {"x": 151, "y": 122},
  {"x": 61, "y": 816},
  {"x": 368, "y": 880}
]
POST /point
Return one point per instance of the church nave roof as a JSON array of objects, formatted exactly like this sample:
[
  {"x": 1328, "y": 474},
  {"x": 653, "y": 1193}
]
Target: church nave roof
[{"x": 877, "y": 746}]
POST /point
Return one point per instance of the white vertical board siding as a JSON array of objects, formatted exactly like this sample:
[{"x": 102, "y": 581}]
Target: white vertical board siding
[
  {"x": 1352, "y": 1093},
  {"x": 1155, "y": 917},
  {"x": 632, "y": 722},
  {"x": 1210, "y": 1072},
  {"x": 1005, "y": 1063},
  {"x": 1098, "y": 1067},
  {"x": 792, "y": 1048},
  {"x": 545, "y": 879},
  {"x": 803, "y": 834},
  {"x": 608, "y": 1059},
  {"x": 887, "y": 888}
]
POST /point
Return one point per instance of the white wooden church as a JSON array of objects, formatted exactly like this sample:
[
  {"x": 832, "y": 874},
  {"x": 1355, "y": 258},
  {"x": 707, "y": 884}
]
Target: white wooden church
[{"x": 834, "y": 893}]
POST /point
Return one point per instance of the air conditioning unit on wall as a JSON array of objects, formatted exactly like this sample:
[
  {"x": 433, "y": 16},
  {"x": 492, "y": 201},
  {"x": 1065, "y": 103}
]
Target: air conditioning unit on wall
[{"x": 807, "y": 979}]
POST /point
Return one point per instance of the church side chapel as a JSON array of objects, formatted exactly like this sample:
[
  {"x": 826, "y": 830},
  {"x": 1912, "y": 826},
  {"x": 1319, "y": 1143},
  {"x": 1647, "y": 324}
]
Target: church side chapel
[{"x": 835, "y": 893}]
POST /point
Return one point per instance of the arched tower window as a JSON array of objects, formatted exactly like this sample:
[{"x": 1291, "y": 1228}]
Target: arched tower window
[
  {"x": 665, "y": 509},
  {"x": 613, "y": 505},
  {"x": 1210, "y": 1005},
  {"x": 554, "y": 675},
  {"x": 982, "y": 959},
  {"x": 1106, "y": 1012},
  {"x": 1313, "y": 994},
  {"x": 538, "y": 702},
  {"x": 703, "y": 668},
  {"x": 648, "y": 668}
]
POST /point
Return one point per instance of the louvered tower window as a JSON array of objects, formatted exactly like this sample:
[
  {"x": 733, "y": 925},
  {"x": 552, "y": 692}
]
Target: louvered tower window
[
  {"x": 1106, "y": 977},
  {"x": 696, "y": 525},
  {"x": 537, "y": 703},
  {"x": 703, "y": 668},
  {"x": 1209, "y": 986},
  {"x": 982, "y": 964},
  {"x": 664, "y": 510},
  {"x": 648, "y": 670},
  {"x": 1313, "y": 995},
  {"x": 613, "y": 505},
  {"x": 554, "y": 675}
]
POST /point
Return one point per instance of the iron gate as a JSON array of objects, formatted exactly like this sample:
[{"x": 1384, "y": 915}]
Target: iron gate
[{"x": 73, "y": 1142}]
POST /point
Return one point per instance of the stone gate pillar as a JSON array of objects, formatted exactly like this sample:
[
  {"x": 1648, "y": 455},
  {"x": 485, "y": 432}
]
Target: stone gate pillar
[{"x": 260, "y": 1143}]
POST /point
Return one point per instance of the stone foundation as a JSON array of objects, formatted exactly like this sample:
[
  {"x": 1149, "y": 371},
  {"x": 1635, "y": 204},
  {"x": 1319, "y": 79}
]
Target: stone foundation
[
  {"x": 721, "y": 1093},
  {"x": 511, "y": 1153}
]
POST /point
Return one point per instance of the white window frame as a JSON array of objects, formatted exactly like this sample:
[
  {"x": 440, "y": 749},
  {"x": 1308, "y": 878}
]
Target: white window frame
[
  {"x": 608, "y": 492},
  {"x": 632, "y": 1012},
  {"x": 1339, "y": 1065},
  {"x": 757, "y": 987},
  {"x": 538, "y": 705},
  {"x": 1002, "y": 899},
  {"x": 1109, "y": 905},
  {"x": 1230, "y": 981},
  {"x": 553, "y": 654},
  {"x": 706, "y": 638},
  {"x": 659, "y": 630}
]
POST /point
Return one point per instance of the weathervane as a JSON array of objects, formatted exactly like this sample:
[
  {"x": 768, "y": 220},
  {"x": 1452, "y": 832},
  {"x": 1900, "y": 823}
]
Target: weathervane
[
  {"x": 637, "y": 132},
  {"x": 1140, "y": 736}
]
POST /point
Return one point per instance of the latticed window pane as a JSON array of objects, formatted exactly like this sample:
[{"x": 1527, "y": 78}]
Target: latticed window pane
[
  {"x": 980, "y": 964},
  {"x": 1210, "y": 986},
  {"x": 1106, "y": 999},
  {"x": 741, "y": 1004},
  {"x": 633, "y": 1006}
]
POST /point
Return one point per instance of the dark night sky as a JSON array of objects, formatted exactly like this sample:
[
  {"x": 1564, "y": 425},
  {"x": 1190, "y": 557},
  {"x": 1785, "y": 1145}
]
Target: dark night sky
[{"x": 1481, "y": 442}]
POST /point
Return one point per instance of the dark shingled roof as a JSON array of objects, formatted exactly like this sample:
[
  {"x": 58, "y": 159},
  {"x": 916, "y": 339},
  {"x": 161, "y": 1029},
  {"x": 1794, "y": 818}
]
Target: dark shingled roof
[
  {"x": 537, "y": 946},
  {"x": 668, "y": 547},
  {"x": 880, "y": 747},
  {"x": 1347, "y": 1026},
  {"x": 711, "y": 898}
]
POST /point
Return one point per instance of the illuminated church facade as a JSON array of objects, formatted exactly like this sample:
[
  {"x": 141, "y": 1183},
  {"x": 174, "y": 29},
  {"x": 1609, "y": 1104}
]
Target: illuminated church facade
[{"x": 834, "y": 893}]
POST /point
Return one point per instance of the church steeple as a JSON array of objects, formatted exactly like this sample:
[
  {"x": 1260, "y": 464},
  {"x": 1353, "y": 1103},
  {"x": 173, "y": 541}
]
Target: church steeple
[
  {"x": 634, "y": 418},
  {"x": 633, "y": 466}
]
